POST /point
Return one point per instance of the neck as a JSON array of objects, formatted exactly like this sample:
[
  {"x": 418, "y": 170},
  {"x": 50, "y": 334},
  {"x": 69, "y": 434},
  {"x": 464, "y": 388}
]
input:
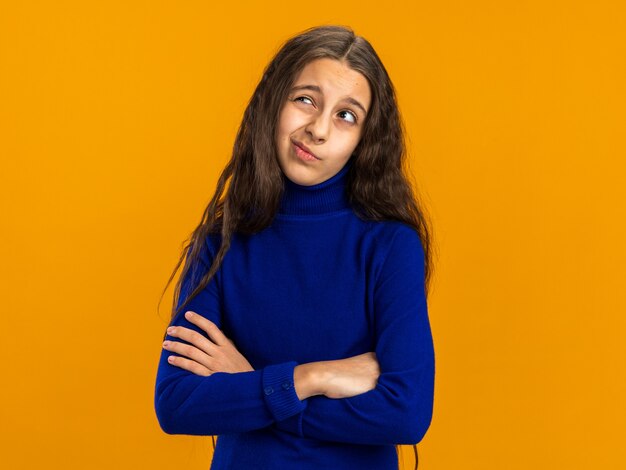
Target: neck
[{"x": 321, "y": 198}]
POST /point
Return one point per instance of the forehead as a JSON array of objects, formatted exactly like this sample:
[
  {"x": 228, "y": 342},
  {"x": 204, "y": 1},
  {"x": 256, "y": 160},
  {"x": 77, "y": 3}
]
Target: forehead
[{"x": 335, "y": 79}]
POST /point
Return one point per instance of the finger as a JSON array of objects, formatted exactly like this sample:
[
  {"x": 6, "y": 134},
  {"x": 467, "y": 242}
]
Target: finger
[
  {"x": 189, "y": 351},
  {"x": 207, "y": 325},
  {"x": 192, "y": 337},
  {"x": 187, "y": 364}
]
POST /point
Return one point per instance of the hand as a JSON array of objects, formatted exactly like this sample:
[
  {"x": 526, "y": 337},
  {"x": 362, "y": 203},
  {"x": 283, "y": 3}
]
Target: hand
[
  {"x": 207, "y": 357},
  {"x": 351, "y": 376}
]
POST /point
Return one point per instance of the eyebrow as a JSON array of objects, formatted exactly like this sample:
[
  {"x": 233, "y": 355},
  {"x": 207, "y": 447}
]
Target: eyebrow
[{"x": 349, "y": 99}]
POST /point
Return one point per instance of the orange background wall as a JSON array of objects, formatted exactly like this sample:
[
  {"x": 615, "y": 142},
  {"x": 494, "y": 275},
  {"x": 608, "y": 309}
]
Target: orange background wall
[{"x": 116, "y": 117}]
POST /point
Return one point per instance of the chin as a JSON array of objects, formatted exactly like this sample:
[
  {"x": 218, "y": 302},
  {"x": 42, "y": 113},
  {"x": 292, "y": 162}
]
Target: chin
[{"x": 300, "y": 175}]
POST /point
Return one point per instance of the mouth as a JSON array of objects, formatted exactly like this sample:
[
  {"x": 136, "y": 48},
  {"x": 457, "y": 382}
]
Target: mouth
[{"x": 304, "y": 149}]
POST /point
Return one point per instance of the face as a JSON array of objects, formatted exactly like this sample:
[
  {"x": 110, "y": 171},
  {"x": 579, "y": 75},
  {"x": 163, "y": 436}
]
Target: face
[{"x": 321, "y": 121}]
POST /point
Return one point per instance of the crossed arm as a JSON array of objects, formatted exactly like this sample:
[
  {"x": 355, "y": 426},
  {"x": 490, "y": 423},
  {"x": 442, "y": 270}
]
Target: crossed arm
[
  {"x": 381, "y": 397},
  {"x": 336, "y": 379}
]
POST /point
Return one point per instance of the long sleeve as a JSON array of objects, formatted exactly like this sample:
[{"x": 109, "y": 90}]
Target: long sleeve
[
  {"x": 221, "y": 403},
  {"x": 399, "y": 409}
]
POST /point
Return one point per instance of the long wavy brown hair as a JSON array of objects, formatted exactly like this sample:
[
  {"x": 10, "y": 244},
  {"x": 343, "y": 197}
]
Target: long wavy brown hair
[{"x": 378, "y": 181}]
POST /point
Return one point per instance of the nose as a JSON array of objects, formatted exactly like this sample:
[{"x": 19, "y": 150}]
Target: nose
[{"x": 318, "y": 128}]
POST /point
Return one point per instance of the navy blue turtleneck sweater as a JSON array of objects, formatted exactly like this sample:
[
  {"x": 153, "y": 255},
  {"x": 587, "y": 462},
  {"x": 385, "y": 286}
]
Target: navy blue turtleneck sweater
[{"x": 317, "y": 284}]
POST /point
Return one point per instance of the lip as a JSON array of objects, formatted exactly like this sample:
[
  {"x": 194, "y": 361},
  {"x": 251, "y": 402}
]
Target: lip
[{"x": 304, "y": 147}]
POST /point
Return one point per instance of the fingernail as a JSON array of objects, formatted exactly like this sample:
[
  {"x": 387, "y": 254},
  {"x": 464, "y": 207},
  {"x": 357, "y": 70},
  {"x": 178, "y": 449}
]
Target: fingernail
[{"x": 189, "y": 315}]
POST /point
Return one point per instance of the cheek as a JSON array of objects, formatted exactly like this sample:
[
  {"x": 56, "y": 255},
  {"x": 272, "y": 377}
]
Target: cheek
[
  {"x": 350, "y": 145},
  {"x": 281, "y": 132},
  {"x": 292, "y": 119},
  {"x": 284, "y": 127}
]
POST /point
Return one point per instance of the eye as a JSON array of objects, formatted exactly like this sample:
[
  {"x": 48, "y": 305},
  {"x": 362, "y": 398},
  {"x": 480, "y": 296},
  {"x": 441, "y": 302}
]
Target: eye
[
  {"x": 354, "y": 121},
  {"x": 351, "y": 114},
  {"x": 303, "y": 97}
]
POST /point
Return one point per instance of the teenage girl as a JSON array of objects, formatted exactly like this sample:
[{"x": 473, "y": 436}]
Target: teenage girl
[{"x": 299, "y": 332}]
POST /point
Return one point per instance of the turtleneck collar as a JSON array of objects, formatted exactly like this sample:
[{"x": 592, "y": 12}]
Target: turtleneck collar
[{"x": 321, "y": 198}]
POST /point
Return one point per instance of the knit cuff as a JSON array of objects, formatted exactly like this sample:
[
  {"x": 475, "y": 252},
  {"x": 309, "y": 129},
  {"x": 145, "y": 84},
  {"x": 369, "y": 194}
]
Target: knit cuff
[{"x": 279, "y": 391}]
